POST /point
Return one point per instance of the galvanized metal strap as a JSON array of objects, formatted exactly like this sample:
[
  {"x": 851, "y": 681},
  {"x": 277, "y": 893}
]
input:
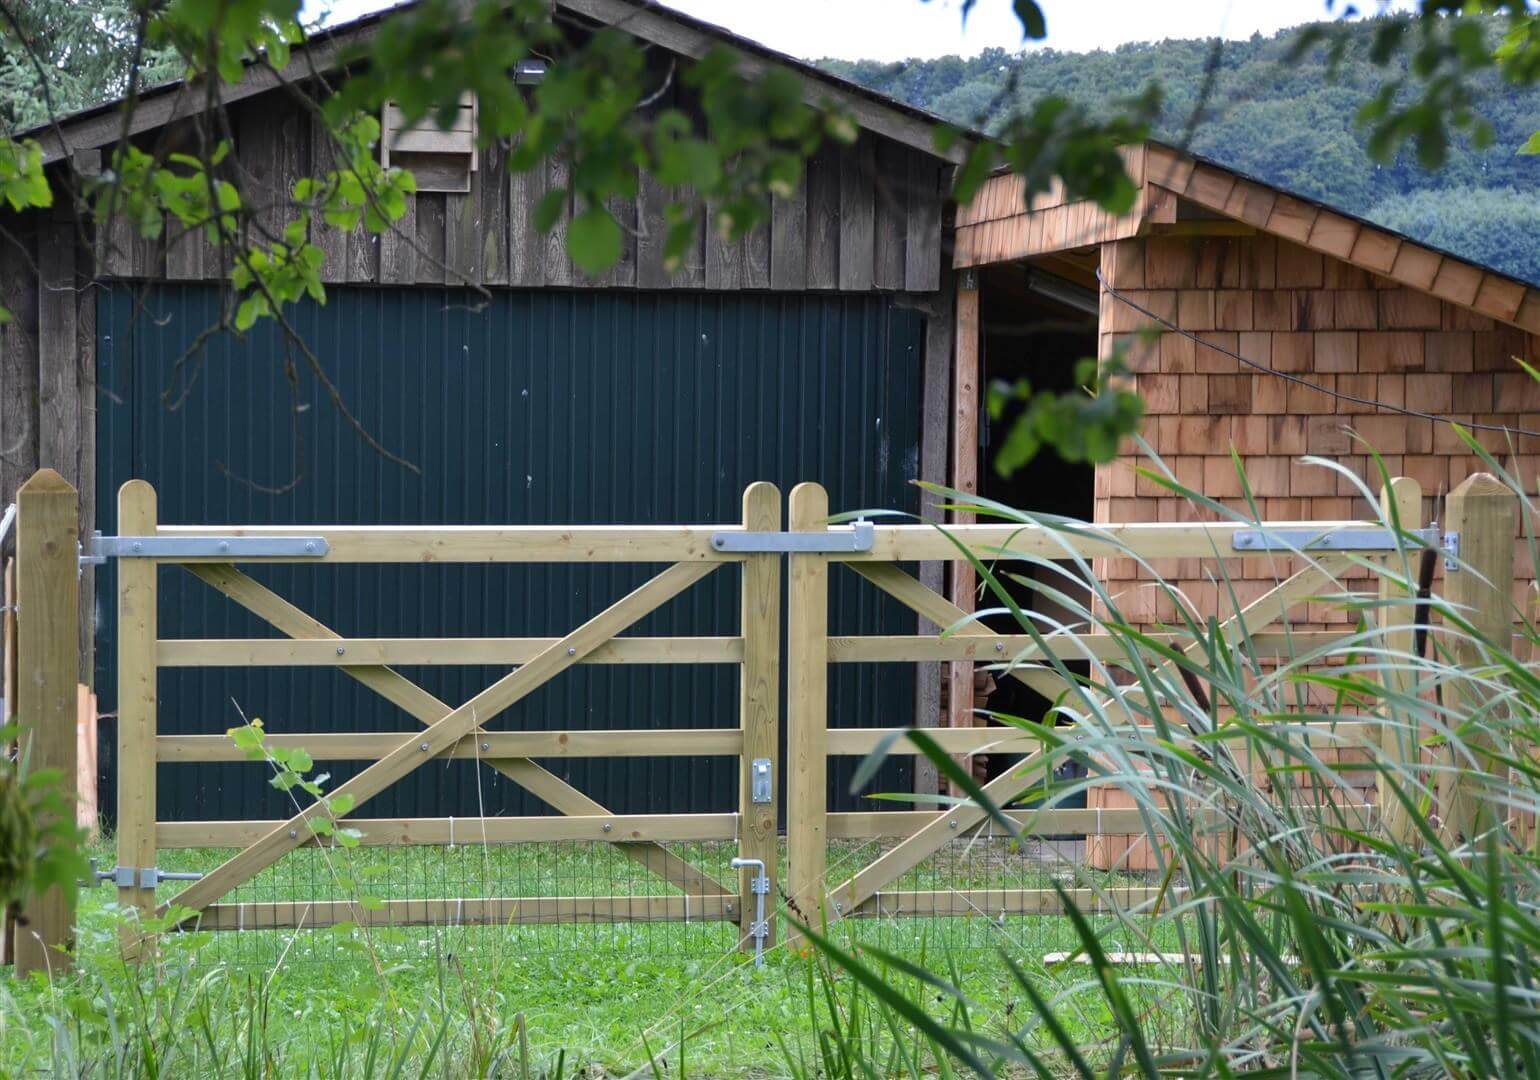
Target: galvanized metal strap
[
  {"x": 103, "y": 548},
  {"x": 1362, "y": 539},
  {"x": 858, "y": 538}
]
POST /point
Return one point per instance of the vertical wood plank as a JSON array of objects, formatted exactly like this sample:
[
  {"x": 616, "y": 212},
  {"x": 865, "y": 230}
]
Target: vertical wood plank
[
  {"x": 18, "y": 359},
  {"x": 725, "y": 258},
  {"x": 935, "y": 435},
  {"x": 58, "y": 370},
  {"x": 756, "y": 257},
  {"x": 823, "y": 218},
  {"x": 759, "y": 704},
  {"x": 558, "y": 264},
  {"x": 47, "y": 539},
  {"x": 430, "y": 238},
  {"x": 788, "y": 241},
  {"x": 85, "y": 366},
  {"x": 526, "y": 244},
  {"x": 398, "y": 248},
  {"x": 622, "y": 275},
  {"x": 138, "y": 627},
  {"x": 807, "y": 703},
  {"x": 965, "y": 451},
  {"x": 652, "y": 201},
  {"x": 857, "y": 239},
  {"x": 1483, "y": 511},
  {"x": 494, "y": 214},
  {"x": 462, "y": 233},
  {"x": 332, "y": 241},
  {"x": 922, "y": 245},
  {"x": 892, "y": 195},
  {"x": 1401, "y": 503}
]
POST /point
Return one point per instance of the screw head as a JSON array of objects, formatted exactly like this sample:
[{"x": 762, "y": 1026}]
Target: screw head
[
  {"x": 224, "y": 545},
  {"x": 293, "y": 834},
  {"x": 310, "y": 545},
  {"x": 423, "y": 747},
  {"x": 607, "y": 826},
  {"x": 341, "y": 650},
  {"x": 138, "y": 546},
  {"x": 571, "y": 652},
  {"x": 486, "y": 746},
  {"x": 952, "y": 824},
  {"x": 999, "y": 646}
]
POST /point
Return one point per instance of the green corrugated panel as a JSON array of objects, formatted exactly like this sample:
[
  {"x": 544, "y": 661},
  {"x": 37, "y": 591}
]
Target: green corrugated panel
[{"x": 531, "y": 408}]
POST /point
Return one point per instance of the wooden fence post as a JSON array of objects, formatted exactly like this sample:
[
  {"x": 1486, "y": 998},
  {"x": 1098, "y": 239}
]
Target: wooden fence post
[
  {"x": 137, "y": 632},
  {"x": 807, "y": 705},
  {"x": 1401, "y": 502},
  {"x": 48, "y": 673},
  {"x": 1483, "y": 512},
  {"x": 759, "y": 708}
]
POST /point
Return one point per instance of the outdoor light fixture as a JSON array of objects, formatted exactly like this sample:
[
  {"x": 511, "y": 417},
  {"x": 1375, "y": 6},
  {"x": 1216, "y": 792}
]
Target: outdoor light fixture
[
  {"x": 1063, "y": 291},
  {"x": 529, "y": 72}
]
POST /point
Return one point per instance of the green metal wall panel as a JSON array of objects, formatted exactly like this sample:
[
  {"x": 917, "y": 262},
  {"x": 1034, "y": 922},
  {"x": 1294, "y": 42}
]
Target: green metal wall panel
[{"x": 580, "y": 407}]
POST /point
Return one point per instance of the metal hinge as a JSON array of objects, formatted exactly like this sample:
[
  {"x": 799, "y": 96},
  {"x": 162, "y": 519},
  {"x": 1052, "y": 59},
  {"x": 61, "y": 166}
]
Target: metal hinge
[
  {"x": 145, "y": 877},
  {"x": 858, "y": 538},
  {"x": 103, "y": 548},
  {"x": 1334, "y": 540}
]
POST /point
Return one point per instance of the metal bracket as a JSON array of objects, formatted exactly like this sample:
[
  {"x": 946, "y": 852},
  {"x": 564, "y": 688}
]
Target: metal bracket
[
  {"x": 1451, "y": 546},
  {"x": 761, "y": 789},
  {"x": 858, "y": 538},
  {"x": 204, "y": 547},
  {"x": 144, "y": 877},
  {"x": 1334, "y": 540}
]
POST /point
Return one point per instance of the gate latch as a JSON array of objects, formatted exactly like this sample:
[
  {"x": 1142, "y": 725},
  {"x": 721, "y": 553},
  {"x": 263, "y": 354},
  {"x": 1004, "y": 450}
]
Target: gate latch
[
  {"x": 854, "y": 540},
  {"x": 144, "y": 877},
  {"x": 231, "y": 548},
  {"x": 759, "y": 884}
]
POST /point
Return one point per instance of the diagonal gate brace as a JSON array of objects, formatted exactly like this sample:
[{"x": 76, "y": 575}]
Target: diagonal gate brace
[{"x": 448, "y": 729}]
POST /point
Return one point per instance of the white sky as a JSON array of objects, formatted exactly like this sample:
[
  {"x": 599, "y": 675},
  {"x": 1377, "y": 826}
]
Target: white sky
[{"x": 897, "y": 29}]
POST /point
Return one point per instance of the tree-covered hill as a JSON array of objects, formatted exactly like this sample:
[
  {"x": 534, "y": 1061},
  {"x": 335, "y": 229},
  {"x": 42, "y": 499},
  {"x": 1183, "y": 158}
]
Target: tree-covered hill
[{"x": 1285, "y": 121}]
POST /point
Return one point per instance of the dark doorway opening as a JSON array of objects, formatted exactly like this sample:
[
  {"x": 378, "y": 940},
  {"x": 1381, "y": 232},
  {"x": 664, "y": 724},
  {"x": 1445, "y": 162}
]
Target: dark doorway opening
[{"x": 1037, "y": 322}]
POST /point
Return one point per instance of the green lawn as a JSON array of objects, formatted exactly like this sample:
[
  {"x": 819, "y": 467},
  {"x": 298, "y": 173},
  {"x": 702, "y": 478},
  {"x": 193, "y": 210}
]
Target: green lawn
[{"x": 608, "y": 998}]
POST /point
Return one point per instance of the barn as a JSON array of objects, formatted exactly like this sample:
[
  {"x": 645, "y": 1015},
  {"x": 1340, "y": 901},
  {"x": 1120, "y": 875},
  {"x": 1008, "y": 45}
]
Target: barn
[{"x": 848, "y": 340}]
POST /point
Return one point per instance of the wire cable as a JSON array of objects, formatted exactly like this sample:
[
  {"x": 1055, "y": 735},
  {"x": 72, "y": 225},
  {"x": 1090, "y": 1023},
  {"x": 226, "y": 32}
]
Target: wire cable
[{"x": 1265, "y": 370}]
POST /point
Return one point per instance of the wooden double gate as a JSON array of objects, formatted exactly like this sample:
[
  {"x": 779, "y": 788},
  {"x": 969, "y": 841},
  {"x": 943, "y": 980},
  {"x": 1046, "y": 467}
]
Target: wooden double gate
[{"x": 809, "y": 551}]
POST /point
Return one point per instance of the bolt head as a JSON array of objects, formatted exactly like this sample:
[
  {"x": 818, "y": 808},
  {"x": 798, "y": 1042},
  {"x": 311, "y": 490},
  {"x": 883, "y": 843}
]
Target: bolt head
[
  {"x": 952, "y": 824},
  {"x": 423, "y": 747},
  {"x": 341, "y": 650},
  {"x": 138, "y": 546},
  {"x": 571, "y": 652},
  {"x": 310, "y": 545},
  {"x": 293, "y": 834},
  {"x": 607, "y": 826},
  {"x": 486, "y": 746}
]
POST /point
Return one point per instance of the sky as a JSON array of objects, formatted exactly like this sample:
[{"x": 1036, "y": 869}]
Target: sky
[{"x": 899, "y": 29}]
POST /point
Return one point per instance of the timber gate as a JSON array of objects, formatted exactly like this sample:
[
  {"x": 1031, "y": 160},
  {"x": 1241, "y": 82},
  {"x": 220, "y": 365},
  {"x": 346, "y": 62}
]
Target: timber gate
[{"x": 809, "y": 551}]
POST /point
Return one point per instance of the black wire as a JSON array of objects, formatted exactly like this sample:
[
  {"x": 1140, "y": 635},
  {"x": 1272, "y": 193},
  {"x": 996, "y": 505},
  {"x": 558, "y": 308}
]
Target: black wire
[{"x": 1264, "y": 369}]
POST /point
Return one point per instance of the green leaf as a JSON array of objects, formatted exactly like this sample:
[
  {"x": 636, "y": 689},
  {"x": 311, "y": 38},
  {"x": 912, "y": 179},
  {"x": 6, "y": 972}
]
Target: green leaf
[{"x": 594, "y": 240}]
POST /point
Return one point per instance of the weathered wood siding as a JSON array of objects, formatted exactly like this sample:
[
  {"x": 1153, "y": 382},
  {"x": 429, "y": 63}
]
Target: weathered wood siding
[{"x": 867, "y": 218}]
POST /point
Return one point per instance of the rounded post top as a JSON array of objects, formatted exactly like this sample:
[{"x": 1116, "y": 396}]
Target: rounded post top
[{"x": 809, "y": 506}]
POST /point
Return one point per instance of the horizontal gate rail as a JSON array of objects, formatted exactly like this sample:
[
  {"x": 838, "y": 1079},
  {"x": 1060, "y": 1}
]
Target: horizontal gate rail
[
  {"x": 346, "y": 652},
  {"x": 489, "y": 746},
  {"x": 403, "y": 832},
  {"x": 993, "y": 903},
  {"x": 469, "y": 911}
]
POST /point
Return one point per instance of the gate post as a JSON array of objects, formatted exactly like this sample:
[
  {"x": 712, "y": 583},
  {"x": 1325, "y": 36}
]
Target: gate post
[
  {"x": 137, "y": 632},
  {"x": 48, "y": 677},
  {"x": 759, "y": 706},
  {"x": 1483, "y": 512},
  {"x": 807, "y": 704},
  {"x": 1401, "y": 506}
]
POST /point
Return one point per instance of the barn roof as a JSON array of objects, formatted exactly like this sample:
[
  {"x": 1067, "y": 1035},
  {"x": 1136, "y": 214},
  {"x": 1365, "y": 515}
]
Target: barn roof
[{"x": 104, "y": 124}]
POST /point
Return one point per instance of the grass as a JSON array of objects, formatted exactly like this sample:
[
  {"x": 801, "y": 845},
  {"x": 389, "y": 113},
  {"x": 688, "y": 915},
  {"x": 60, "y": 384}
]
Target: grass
[{"x": 610, "y": 999}]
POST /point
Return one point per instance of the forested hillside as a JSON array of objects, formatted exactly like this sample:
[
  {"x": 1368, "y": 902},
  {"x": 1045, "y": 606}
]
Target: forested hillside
[{"x": 1286, "y": 122}]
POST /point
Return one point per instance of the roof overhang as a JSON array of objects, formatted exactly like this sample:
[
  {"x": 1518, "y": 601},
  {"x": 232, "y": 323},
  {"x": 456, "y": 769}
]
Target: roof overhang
[{"x": 999, "y": 226}]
